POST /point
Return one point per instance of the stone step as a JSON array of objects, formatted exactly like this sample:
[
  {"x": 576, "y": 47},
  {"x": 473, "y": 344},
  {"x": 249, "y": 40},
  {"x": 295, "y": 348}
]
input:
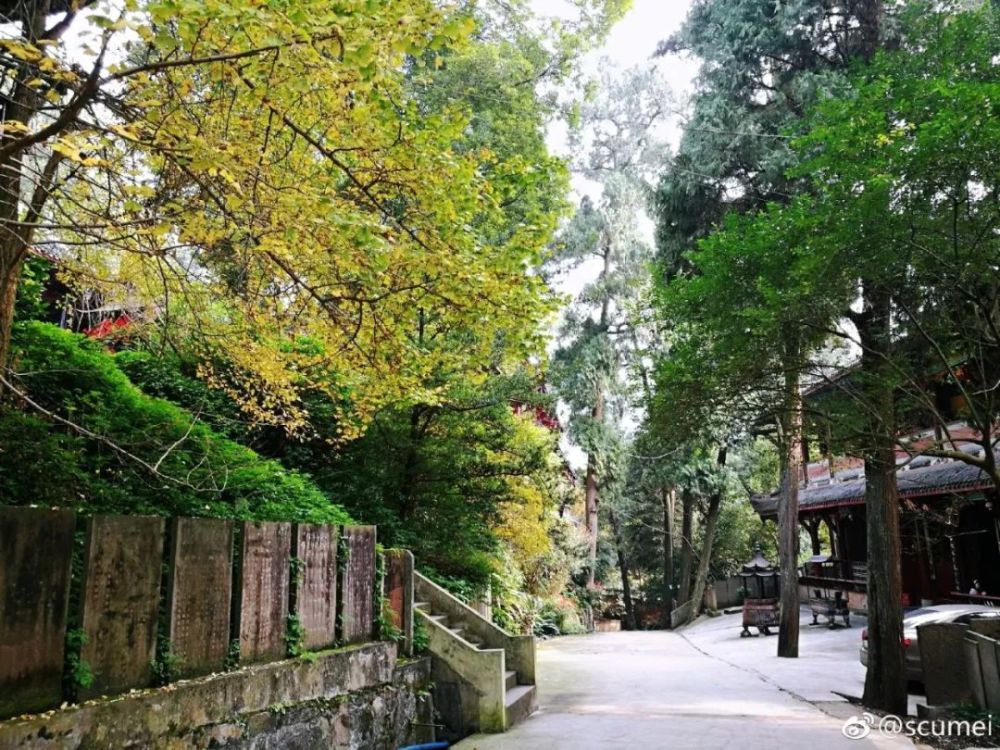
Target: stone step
[
  {"x": 458, "y": 630},
  {"x": 520, "y": 703},
  {"x": 510, "y": 680},
  {"x": 461, "y": 632}
]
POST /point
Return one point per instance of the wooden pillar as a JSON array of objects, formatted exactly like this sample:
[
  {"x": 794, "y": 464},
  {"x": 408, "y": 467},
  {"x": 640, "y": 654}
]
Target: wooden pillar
[
  {"x": 835, "y": 543},
  {"x": 811, "y": 524}
]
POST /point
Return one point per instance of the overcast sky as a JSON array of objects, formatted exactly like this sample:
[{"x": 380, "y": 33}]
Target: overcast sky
[{"x": 634, "y": 39}]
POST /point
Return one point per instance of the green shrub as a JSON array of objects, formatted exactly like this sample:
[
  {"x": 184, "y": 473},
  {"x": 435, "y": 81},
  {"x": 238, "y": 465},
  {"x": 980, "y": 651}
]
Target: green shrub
[
  {"x": 559, "y": 616},
  {"x": 421, "y": 638},
  {"x": 77, "y": 672},
  {"x": 295, "y": 636},
  {"x": 168, "y": 377},
  {"x": 38, "y": 464},
  {"x": 30, "y": 304},
  {"x": 127, "y": 452},
  {"x": 166, "y": 665}
]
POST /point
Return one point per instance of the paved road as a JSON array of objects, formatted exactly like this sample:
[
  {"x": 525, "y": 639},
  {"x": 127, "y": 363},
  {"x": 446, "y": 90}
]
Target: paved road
[{"x": 651, "y": 690}]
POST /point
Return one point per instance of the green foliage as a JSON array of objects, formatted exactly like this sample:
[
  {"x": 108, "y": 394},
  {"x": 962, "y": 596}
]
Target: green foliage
[
  {"x": 763, "y": 65},
  {"x": 232, "y": 660},
  {"x": 166, "y": 665},
  {"x": 971, "y": 712},
  {"x": 598, "y": 365},
  {"x": 528, "y": 580},
  {"x": 169, "y": 377},
  {"x": 297, "y": 569},
  {"x": 295, "y": 636},
  {"x": 40, "y": 465},
  {"x": 383, "y": 623},
  {"x": 506, "y": 129},
  {"x": 421, "y": 638},
  {"x": 817, "y": 184},
  {"x": 559, "y": 616},
  {"x": 893, "y": 200},
  {"x": 384, "y": 627},
  {"x": 740, "y": 532},
  {"x": 127, "y": 452},
  {"x": 434, "y": 478},
  {"x": 29, "y": 304},
  {"x": 461, "y": 588},
  {"x": 78, "y": 673},
  {"x": 904, "y": 195}
]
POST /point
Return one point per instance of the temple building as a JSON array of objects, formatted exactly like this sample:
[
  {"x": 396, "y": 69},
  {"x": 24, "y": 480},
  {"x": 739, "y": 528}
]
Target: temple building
[{"x": 949, "y": 527}]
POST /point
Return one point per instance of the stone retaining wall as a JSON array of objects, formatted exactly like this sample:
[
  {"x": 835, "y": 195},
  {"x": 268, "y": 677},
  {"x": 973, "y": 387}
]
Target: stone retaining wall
[{"x": 354, "y": 697}]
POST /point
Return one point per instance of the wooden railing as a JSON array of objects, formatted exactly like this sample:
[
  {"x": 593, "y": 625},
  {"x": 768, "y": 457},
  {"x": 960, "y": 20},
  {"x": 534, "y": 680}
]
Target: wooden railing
[
  {"x": 988, "y": 601},
  {"x": 837, "y": 574}
]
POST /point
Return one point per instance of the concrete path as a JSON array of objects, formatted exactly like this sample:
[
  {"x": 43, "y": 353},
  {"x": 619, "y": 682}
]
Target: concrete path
[{"x": 667, "y": 690}]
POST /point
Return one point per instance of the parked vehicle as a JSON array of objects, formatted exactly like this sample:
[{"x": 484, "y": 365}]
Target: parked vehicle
[{"x": 956, "y": 613}]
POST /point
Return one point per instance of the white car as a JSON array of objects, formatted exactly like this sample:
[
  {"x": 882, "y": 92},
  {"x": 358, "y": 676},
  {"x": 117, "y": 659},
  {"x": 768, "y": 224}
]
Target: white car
[{"x": 957, "y": 613}]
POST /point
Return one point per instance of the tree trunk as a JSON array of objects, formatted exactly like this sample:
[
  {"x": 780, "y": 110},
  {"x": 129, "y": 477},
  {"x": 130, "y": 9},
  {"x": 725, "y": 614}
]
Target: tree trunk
[
  {"x": 711, "y": 521},
  {"x": 669, "y": 497},
  {"x": 687, "y": 549},
  {"x": 869, "y": 14},
  {"x": 788, "y": 508},
  {"x": 885, "y": 682},
  {"x": 590, "y": 517},
  {"x": 701, "y": 575},
  {"x": 411, "y": 462},
  {"x": 10, "y": 273},
  {"x": 623, "y": 568},
  {"x": 13, "y": 247},
  {"x": 27, "y": 188},
  {"x": 591, "y": 499},
  {"x": 20, "y": 105}
]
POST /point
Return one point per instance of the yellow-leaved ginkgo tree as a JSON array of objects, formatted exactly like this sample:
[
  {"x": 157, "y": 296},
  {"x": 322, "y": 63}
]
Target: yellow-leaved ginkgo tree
[{"x": 259, "y": 177}]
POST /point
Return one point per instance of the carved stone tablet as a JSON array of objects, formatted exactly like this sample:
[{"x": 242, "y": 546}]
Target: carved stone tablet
[
  {"x": 123, "y": 560},
  {"x": 942, "y": 654},
  {"x": 316, "y": 583},
  {"x": 358, "y": 588},
  {"x": 36, "y": 548},
  {"x": 201, "y": 560},
  {"x": 263, "y": 586}
]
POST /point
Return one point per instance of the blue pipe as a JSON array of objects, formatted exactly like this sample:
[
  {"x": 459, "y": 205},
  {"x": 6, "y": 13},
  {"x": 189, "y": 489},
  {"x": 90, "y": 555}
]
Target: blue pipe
[{"x": 427, "y": 746}]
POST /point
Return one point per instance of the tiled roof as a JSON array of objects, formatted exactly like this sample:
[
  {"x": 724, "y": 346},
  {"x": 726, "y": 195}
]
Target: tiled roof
[{"x": 947, "y": 477}]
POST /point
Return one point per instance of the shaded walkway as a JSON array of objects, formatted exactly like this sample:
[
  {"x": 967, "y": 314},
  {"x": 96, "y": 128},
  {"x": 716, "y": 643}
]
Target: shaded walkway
[{"x": 658, "y": 690}]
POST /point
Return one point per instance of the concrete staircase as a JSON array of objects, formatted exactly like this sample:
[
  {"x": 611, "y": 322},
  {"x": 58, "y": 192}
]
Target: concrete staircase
[{"x": 483, "y": 675}]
